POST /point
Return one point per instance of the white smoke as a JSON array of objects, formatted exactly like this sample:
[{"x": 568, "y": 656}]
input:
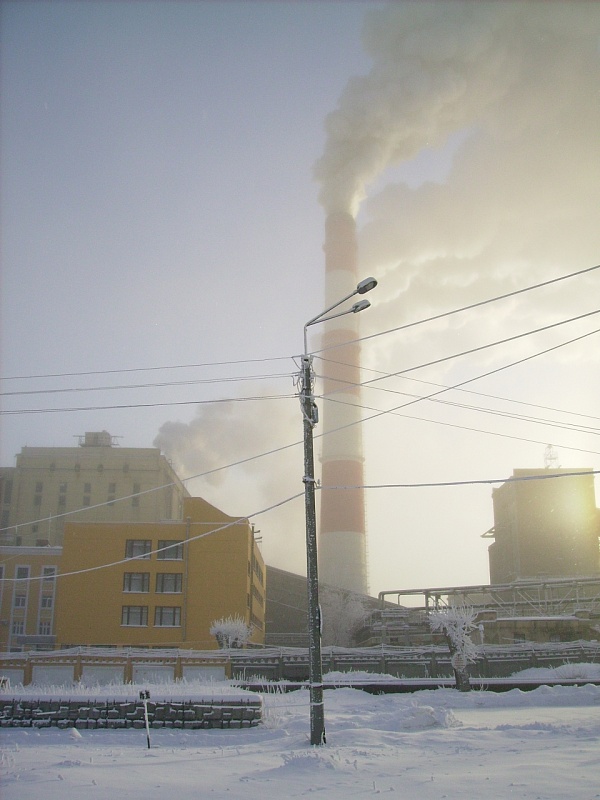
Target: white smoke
[
  {"x": 442, "y": 66},
  {"x": 505, "y": 97},
  {"x": 516, "y": 86},
  {"x": 226, "y": 434}
]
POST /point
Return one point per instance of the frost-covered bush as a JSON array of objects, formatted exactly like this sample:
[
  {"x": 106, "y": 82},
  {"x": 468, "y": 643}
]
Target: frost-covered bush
[{"x": 231, "y": 631}]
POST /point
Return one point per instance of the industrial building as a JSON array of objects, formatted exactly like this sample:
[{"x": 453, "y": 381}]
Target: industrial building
[
  {"x": 96, "y": 480},
  {"x": 546, "y": 525}
]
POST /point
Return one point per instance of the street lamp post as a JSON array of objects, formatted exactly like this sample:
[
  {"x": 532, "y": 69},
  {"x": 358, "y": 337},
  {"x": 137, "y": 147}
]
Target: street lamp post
[{"x": 310, "y": 419}]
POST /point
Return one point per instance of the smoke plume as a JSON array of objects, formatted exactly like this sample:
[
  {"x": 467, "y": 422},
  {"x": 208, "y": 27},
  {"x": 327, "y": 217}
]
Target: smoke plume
[
  {"x": 227, "y": 434},
  {"x": 442, "y": 66},
  {"x": 512, "y": 90}
]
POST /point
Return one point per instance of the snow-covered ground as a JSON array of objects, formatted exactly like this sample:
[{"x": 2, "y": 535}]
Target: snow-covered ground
[{"x": 431, "y": 744}]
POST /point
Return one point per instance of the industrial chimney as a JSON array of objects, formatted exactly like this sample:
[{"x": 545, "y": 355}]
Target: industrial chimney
[{"x": 342, "y": 539}]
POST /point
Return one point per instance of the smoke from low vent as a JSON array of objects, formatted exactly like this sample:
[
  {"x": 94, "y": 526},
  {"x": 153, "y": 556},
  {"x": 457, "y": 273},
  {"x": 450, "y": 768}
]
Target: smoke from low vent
[{"x": 228, "y": 433}]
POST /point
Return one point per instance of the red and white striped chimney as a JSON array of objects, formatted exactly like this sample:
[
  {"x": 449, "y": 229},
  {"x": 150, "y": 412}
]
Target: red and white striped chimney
[{"x": 342, "y": 538}]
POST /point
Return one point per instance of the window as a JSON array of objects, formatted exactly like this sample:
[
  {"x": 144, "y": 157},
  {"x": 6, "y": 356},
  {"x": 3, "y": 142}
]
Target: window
[
  {"x": 62, "y": 494},
  {"x": 22, "y": 573},
  {"x": 49, "y": 574},
  {"x": 87, "y": 492},
  {"x": 8, "y": 491},
  {"x": 39, "y": 487},
  {"x": 135, "y": 500},
  {"x": 18, "y": 627},
  {"x": 45, "y": 628},
  {"x": 47, "y": 601},
  {"x": 169, "y": 582},
  {"x": 20, "y": 601},
  {"x": 37, "y": 500},
  {"x": 167, "y": 616},
  {"x": 136, "y": 582},
  {"x": 134, "y": 615},
  {"x": 87, "y": 488},
  {"x": 138, "y": 548},
  {"x": 112, "y": 489},
  {"x": 170, "y": 550}
]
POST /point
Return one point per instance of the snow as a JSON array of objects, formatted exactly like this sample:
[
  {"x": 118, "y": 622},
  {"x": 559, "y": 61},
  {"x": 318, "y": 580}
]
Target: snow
[{"x": 431, "y": 744}]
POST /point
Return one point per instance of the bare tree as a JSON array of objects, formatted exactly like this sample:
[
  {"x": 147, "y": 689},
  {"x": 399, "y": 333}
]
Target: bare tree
[
  {"x": 456, "y": 624},
  {"x": 230, "y": 632}
]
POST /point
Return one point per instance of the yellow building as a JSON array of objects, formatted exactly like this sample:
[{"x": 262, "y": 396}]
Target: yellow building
[
  {"x": 27, "y": 597},
  {"x": 159, "y": 584}
]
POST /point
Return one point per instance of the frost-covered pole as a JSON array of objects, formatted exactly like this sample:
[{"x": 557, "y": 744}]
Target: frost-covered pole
[
  {"x": 310, "y": 417},
  {"x": 315, "y": 667},
  {"x": 144, "y": 697}
]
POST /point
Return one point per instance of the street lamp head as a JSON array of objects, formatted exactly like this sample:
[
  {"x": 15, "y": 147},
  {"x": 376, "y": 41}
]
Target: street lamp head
[
  {"x": 360, "y": 306},
  {"x": 366, "y": 285}
]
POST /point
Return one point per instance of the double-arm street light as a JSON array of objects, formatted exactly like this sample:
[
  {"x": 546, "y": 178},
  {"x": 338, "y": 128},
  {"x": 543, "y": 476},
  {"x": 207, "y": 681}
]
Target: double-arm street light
[{"x": 310, "y": 417}]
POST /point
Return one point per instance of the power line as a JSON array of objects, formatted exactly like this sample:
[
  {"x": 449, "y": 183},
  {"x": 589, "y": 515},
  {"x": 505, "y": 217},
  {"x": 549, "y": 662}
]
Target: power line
[
  {"x": 238, "y": 520},
  {"x": 273, "y": 451},
  {"x": 145, "y": 405},
  {"x": 438, "y": 484},
  {"x": 189, "y": 540},
  {"x": 397, "y": 413},
  {"x": 486, "y": 347},
  {"x": 144, "y": 369},
  {"x": 449, "y": 388},
  {"x": 197, "y": 382},
  {"x": 445, "y": 314},
  {"x": 121, "y": 406},
  {"x": 281, "y": 358},
  {"x": 477, "y": 394}
]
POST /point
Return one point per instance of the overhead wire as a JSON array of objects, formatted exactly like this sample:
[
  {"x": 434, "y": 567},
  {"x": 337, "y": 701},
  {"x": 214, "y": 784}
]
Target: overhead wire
[
  {"x": 433, "y": 318},
  {"x": 195, "y": 382},
  {"x": 479, "y": 349},
  {"x": 244, "y": 519},
  {"x": 378, "y": 414},
  {"x": 469, "y": 307},
  {"x": 482, "y": 481},
  {"x": 188, "y": 540},
  {"x": 120, "y": 406},
  {"x": 143, "y": 369},
  {"x": 477, "y": 394},
  {"x": 457, "y": 385},
  {"x": 16, "y": 412}
]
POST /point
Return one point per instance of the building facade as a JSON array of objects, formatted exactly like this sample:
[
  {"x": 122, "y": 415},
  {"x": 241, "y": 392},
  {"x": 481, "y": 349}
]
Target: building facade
[
  {"x": 165, "y": 583},
  {"x": 134, "y": 584},
  {"x": 546, "y": 525},
  {"x": 96, "y": 481},
  {"x": 28, "y": 597}
]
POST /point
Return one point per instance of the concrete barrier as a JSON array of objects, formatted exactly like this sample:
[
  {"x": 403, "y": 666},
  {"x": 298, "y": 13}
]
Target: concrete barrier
[{"x": 122, "y": 713}]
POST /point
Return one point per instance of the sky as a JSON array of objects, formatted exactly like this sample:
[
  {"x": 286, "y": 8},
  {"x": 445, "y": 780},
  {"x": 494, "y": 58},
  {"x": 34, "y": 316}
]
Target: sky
[
  {"x": 430, "y": 744},
  {"x": 166, "y": 173}
]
